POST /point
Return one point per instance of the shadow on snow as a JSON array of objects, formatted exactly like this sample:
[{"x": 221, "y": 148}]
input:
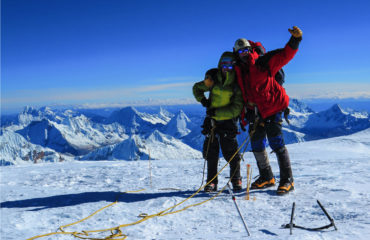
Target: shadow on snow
[{"x": 91, "y": 197}]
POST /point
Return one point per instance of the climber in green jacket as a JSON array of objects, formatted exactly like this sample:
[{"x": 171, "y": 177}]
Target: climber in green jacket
[{"x": 223, "y": 105}]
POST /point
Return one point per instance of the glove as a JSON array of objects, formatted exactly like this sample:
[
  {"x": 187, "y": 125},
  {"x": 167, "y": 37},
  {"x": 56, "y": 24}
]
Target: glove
[
  {"x": 208, "y": 82},
  {"x": 211, "y": 112},
  {"x": 296, "y": 32},
  {"x": 205, "y": 102}
]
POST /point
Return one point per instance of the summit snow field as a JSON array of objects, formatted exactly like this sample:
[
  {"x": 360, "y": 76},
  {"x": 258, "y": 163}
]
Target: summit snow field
[{"x": 39, "y": 198}]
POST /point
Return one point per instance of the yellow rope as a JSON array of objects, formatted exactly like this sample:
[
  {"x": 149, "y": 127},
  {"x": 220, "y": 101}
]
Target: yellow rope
[
  {"x": 144, "y": 216},
  {"x": 75, "y": 234}
]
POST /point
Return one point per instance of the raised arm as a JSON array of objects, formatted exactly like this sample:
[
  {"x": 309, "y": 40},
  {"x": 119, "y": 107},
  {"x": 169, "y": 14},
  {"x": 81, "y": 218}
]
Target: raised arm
[{"x": 281, "y": 58}]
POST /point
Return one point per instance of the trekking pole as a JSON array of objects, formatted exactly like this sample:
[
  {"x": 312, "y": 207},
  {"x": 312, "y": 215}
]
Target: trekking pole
[
  {"x": 204, "y": 169},
  {"x": 237, "y": 208}
]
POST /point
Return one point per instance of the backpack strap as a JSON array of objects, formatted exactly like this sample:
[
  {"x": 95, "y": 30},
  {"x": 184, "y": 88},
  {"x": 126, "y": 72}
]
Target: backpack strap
[
  {"x": 263, "y": 63},
  {"x": 239, "y": 78}
]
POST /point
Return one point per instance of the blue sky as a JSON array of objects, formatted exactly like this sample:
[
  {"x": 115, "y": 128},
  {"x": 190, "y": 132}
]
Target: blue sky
[{"x": 105, "y": 52}]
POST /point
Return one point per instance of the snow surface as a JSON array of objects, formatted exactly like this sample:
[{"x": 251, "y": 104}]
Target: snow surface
[{"x": 38, "y": 198}]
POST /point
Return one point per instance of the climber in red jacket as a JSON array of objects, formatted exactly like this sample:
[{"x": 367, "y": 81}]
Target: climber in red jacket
[{"x": 266, "y": 99}]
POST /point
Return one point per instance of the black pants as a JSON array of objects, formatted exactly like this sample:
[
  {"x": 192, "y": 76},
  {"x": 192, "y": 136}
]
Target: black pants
[{"x": 224, "y": 136}]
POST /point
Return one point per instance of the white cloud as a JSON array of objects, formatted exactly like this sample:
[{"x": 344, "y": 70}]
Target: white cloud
[
  {"x": 163, "y": 94},
  {"x": 25, "y": 97},
  {"x": 145, "y": 102},
  {"x": 328, "y": 90}
]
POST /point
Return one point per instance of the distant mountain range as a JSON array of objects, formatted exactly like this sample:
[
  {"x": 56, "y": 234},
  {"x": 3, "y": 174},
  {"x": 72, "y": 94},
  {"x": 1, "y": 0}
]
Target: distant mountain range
[{"x": 45, "y": 134}]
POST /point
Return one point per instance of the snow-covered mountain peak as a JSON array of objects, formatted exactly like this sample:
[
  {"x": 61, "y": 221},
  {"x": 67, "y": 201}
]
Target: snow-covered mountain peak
[
  {"x": 333, "y": 114},
  {"x": 30, "y": 110},
  {"x": 127, "y": 115},
  {"x": 336, "y": 109},
  {"x": 15, "y": 149},
  {"x": 134, "y": 121},
  {"x": 68, "y": 113},
  {"x": 46, "y": 110},
  {"x": 157, "y": 136},
  {"x": 335, "y": 119},
  {"x": 179, "y": 125},
  {"x": 164, "y": 114},
  {"x": 28, "y": 115},
  {"x": 299, "y": 106},
  {"x": 167, "y": 134},
  {"x": 182, "y": 115},
  {"x": 156, "y": 146}
]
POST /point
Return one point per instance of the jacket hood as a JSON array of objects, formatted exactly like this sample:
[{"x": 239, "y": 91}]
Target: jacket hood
[
  {"x": 251, "y": 57},
  {"x": 226, "y": 54}
]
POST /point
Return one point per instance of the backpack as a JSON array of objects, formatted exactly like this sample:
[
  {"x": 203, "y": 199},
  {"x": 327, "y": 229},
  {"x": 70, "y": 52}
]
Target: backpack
[{"x": 264, "y": 59}]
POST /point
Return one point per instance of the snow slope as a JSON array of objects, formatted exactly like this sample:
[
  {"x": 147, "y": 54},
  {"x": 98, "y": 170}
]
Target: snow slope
[
  {"x": 156, "y": 146},
  {"x": 38, "y": 198},
  {"x": 19, "y": 151}
]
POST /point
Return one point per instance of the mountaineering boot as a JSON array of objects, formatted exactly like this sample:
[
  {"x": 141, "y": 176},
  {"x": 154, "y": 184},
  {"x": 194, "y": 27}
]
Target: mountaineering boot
[
  {"x": 236, "y": 179},
  {"x": 266, "y": 178},
  {"x": 212, "y": 163},
  {"x": 237, "y": 184},
  {"x": 285, "y": 187},
  {"x": 261, "y": 183},
  {"x": 212, "y": 187},
  {"x": 286, "y": 176}
]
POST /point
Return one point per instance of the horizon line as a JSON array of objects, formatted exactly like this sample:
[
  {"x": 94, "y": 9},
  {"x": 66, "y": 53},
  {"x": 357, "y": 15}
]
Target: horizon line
[{"x": 150, "y": 102}]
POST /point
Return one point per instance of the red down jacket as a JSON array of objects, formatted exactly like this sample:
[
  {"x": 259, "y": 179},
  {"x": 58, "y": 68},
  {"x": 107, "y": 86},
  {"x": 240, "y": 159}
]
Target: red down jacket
[{"x": 259, "y": 86}]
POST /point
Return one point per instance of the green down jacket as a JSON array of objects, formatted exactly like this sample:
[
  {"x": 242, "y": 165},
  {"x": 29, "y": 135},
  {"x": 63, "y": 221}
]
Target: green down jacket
[{"x": 225, "y": 95}]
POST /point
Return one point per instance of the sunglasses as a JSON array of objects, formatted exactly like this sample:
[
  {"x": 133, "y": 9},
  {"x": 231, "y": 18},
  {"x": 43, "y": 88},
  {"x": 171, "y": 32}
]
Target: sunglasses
[
  {"x": 227, "y": 64},
  {"x": 243, "y": 50},
  {"x": 230, "y": 67}
]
